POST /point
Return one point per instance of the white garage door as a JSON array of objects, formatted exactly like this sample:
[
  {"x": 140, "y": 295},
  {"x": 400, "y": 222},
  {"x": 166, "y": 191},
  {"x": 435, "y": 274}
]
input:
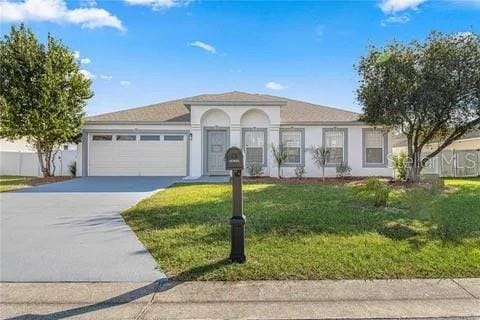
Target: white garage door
[{"x": 137, "y": 155}]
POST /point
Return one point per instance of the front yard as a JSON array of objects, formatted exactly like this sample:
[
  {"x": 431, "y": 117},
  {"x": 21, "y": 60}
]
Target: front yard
[{"x": 313, "y": 231}]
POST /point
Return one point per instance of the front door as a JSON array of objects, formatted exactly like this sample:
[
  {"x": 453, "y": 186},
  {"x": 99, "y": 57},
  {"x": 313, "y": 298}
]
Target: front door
[{"x": 216, "y": 148}]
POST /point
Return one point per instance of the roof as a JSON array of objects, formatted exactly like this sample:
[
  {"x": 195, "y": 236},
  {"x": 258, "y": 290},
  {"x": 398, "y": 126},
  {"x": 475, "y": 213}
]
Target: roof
[
  {"x": 401, "y": 141},
  {"x": 291, "y": 111}
]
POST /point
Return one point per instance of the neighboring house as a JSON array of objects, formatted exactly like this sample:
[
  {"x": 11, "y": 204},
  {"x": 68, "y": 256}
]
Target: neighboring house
[
  {"x": 469, "y": 141},
  {"x": 189, "y": 137},
  {"x": 459, "y": 159}
]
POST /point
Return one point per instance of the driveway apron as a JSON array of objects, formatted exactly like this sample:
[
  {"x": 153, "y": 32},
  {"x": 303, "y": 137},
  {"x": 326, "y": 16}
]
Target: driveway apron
[{"x": 73, "y": 231}]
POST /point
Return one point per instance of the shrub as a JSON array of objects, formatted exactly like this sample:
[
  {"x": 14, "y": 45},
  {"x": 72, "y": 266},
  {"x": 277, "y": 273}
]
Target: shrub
[
  {"x": 300, "y": 172},
  {"x": 320, "y": 156},
  {"x": 72, "y": 168},
  {"x": 343, "y": 170},
  {"x": 280, "y": 156},
  {"x": 376, "y": 191},
  {"x": 400, "y": 165},
  {"x": 255, "y": 169}
]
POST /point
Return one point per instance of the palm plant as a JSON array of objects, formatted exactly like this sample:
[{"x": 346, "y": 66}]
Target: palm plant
[
  {"x": 280, "y": 156},
  {"x": 320, "y": 157}
]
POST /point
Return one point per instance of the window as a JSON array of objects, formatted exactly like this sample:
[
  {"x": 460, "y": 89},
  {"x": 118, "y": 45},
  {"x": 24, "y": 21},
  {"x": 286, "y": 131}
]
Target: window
[
  {"x": 102, "y": 137},
  {"x": 254, "y": 143},
  {"x": 65, "y": 147},
  {"x": 374, "y": 144},
  {"x": 173, "y": 138},
  {"x": 126, "y": 137},
  {"x": 291, "y": 142},
  {"x": 334, "y": 141},
  {"x": 150, "y": 138}
]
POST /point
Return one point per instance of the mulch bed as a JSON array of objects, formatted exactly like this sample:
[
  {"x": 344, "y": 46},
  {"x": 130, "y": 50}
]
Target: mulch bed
[
  {"x": 329, "y": 180},
  {"x": 38, "y": 181}
]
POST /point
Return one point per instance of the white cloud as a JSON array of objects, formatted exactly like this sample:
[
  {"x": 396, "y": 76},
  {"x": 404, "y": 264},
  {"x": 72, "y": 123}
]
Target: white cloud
[
  {"x": 392, "y": 6},
  {"x": 395, "y": 20},
  {"x": 85, "y": 61},
  {"x": 204, "y": 46},
  {"x": 275, "y": 86},
  {"x": 105, "y": 77},
  {"x": 124, "y": 83},
  {"x": 87, "y": 74},
  {"x": 57, "y": 11},
  {"x": 76, "y": 54},
  {"x": 159, "y": 4}
]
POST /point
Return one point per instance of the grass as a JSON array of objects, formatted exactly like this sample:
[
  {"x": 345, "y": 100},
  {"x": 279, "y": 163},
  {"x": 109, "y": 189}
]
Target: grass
[
  {"x": 11, "y": 183},
  {"x": 313, "y": 231}
]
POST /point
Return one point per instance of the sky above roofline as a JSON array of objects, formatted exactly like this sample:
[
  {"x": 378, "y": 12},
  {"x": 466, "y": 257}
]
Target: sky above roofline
[{"x": 139, "y": 52}]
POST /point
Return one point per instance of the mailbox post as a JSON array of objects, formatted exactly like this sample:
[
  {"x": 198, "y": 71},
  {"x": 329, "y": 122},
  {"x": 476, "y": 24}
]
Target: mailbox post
[{"x": 234, "y": 160}]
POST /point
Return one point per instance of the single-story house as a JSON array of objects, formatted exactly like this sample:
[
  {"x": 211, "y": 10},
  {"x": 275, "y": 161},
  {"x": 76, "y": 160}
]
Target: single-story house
[{"x": 189, "y": 137}]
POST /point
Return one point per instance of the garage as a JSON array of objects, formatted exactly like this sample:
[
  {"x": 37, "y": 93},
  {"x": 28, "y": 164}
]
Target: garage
[{"x": 128, "y": 154}]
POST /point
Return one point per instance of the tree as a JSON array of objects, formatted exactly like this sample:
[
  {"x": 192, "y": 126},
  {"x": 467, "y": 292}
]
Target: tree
[
  {"x": 280, "y": 156},
  {"x": 320, "y": 157},
  {"x": 42, "y": 93},
  {"x": 428, "y": 91}
]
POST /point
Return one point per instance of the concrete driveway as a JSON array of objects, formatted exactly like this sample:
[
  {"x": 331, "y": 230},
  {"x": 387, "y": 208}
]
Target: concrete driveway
[{"x": 73, "y": 231}]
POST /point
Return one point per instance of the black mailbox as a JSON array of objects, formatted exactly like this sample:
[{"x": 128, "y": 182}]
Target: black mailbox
[{"x": 234, "y": 159}]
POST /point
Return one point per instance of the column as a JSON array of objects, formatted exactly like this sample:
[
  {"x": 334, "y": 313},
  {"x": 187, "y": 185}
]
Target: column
[
  {"x": 235, "y": 136},
  {"x": 274, "y": 133},
  {"x": 196, "y": 151}
]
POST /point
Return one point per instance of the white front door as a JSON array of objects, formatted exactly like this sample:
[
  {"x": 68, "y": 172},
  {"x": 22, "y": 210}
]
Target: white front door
[{"x": 216, "y": 148}]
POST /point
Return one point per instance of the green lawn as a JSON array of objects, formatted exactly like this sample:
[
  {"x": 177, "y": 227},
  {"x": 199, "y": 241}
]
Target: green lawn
[
  {"x": 9, "y": 183},
  {"x": 313, "y": 231}
]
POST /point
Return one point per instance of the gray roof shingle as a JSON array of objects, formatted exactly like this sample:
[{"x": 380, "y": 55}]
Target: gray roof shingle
[{"x": 291, "y": 111}]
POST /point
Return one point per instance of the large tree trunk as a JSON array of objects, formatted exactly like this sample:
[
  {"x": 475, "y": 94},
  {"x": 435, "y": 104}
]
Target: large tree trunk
[
  {"x": 415, "y": 167},
  {"x": 52, "y": 161},
  {"x": 40, "y": 159},
  {"x": 44, "y": 158}
]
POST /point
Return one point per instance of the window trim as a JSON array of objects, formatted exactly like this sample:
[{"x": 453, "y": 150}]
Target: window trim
[
  {"x": 345, "y": 144},
  {"x": 302, "y": 146},
  {"x": 365, "y": 164},
  {"x": 265, "y": 143}
]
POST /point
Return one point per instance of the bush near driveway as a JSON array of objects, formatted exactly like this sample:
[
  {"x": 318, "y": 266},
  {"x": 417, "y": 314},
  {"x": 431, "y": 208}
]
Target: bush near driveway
[{"x": 310, "y": 231}]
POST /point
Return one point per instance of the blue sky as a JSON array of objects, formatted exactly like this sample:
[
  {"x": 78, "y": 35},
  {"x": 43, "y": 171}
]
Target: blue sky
[{"x": 145, "y": 51}]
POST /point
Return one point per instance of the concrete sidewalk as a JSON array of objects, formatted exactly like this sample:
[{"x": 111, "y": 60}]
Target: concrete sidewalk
[{"x": 356, "y": 299}]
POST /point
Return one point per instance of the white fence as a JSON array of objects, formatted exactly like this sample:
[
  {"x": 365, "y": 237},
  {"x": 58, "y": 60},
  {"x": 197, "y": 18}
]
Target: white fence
[
  {"x": 455, "y": 163},
  {"x": 14, "y": 163}
]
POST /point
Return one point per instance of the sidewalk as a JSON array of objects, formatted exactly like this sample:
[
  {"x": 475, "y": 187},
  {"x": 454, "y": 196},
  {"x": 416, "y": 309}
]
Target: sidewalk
[{"x": 355, "y": 299}]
